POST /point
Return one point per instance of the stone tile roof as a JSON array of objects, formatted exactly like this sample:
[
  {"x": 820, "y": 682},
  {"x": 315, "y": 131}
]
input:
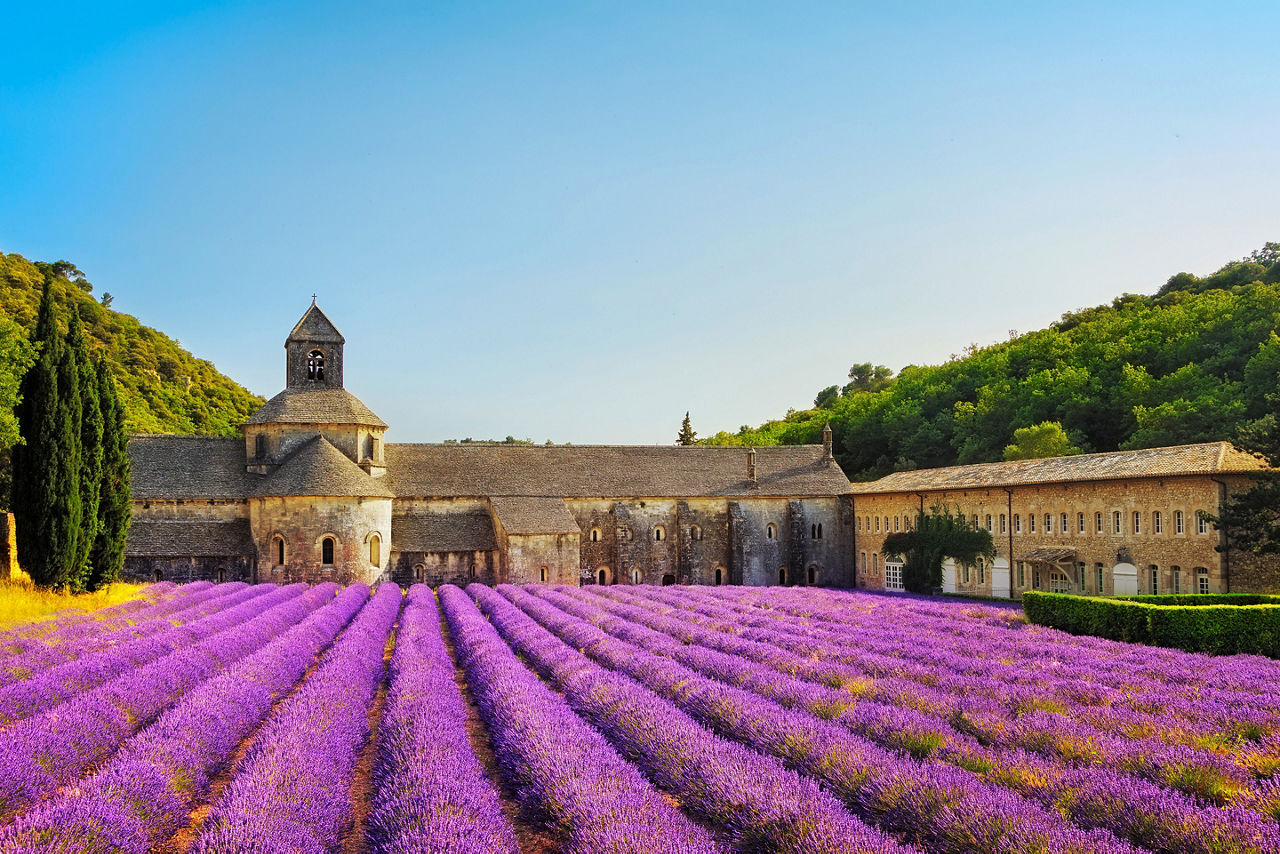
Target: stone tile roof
[
  {"x": 468, "y": 531},
  {"x": 608, "y": 471},
  {"x": 1205, "y": 458},
  {"x": 187, "y": 467},
  {"x": 318, "y": 469},
  {"x": 315, "y": 406},
  {"x": 168, "y": 538},
  {"x": 521, "y": 515},
  {"x": 316, "y": 326}
]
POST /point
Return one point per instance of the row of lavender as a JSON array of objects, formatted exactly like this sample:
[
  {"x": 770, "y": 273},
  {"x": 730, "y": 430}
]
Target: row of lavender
[{"x": 710, "y": 635}]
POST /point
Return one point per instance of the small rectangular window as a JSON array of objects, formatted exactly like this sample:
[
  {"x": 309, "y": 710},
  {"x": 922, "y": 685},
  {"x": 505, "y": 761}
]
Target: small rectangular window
[
  {"x": 1017, "y": 523},
  {"x": 989, "y": 523},
  {"x": 1177, "y": 578},
  {"x": 1157, "y": 522},
  {"x": 1065, "y": 528},
  {"x": 859, "y": 524},
  {"x": 1179, "y": 522},
  {"x": 1097, "y": 522},
  {"x": 1115, "y": 522},
  {"x": 1079, "y": 523},
  {"x": 1202, "y": 524},
  {"x": 1022, "y": 574},
  {"x": 1031, "y": 523},
  {"x": 1155, "y": 579},
  {"x": 877, "y": 524},
  {"x": 1097, "y": 567},
  {"x": 1004, "y": 524},
  {"x": 1137, "y": 522},
  {"x": 1048, "y": 523},
  {"x": 896, "y": 521}
]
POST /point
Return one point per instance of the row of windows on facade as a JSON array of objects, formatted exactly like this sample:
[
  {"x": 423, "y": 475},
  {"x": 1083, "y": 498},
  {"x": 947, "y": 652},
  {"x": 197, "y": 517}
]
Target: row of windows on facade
[
  {"x": 1062, "y": 521},
  {"x": 695, "y": 533},
  {"x": 328, "y": 548},
  {"x": 604, "y": 576},
  {"x": 1059, "y": 581}
]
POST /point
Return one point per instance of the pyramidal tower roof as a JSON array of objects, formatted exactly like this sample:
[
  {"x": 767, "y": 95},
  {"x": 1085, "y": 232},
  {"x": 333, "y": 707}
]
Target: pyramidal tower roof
[{"x": 315, "y": 326}]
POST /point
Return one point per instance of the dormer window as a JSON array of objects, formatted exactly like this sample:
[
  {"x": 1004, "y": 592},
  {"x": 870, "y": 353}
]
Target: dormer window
[{"x": 315, "y": 366}]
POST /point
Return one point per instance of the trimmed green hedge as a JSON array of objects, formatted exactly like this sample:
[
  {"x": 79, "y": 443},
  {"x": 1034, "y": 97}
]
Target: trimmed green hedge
[
  {"x": 1205, "y": 626},
  {"x": 1205, "y": 599}
]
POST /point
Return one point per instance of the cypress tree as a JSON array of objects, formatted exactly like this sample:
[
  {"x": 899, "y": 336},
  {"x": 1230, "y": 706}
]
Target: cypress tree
[
  {"x": 44, "y": 492},
  {"x": 114, "y": 509},
  {"x": 67, "y": 470},
  {"x": 90, "y": 475}
]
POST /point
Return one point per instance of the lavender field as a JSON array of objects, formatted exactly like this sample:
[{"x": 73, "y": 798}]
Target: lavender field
[{"x": 237, "y": 718}]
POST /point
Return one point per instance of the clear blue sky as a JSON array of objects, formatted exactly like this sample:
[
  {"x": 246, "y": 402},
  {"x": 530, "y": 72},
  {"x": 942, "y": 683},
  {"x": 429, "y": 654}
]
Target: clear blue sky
[{"x": 577, "y": 221}]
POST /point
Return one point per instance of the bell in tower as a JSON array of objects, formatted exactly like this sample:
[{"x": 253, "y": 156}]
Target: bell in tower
[{"x": 314, "y": 352}]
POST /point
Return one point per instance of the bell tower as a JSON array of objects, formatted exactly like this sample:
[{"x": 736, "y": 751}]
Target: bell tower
[{"x": 313, "y": 352}]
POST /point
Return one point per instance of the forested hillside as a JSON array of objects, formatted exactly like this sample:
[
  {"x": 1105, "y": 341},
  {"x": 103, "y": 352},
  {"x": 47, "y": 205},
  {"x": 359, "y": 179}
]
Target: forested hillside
[
  {"x": 1193, "y": 362},
  {"x": 164, "y": 389}
]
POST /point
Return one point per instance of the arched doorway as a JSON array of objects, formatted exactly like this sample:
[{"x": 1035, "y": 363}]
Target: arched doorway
[
  {"x": 782, "y": 576},
  {"x": 603, "y": 576},
  {"x": 813, "y": 576},
  {"x": 719, "y": 576}
]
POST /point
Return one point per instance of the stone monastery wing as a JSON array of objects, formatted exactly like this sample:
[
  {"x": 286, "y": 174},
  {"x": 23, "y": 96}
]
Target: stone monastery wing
[
  {"x": 1205, "y": 458},
  {"x": 609, "y": 471},
  {"x": 467, "y": 531}
]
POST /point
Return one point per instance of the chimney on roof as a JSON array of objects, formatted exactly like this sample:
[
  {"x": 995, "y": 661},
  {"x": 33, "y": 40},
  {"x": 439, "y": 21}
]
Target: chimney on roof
[
  {"x": 826, "y": 444},
  {"x": 751, "y": 464}
]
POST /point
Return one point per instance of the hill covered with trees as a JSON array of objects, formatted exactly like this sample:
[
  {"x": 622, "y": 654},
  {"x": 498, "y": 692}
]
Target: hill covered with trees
[
  {"x": 1196, "y": 361},
  {"x": 163, "y": 388}
]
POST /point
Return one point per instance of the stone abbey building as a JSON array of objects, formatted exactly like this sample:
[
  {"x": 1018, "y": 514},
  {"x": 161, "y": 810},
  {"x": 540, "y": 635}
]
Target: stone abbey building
[
  {"x": 1120, "y": 523},
  {"x": 312, "y": 492}
]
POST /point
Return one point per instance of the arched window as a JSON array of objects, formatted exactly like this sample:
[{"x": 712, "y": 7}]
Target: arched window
[
  {"x": 635, "y": 576},
  {"x": 279, "y": 543},
  {"x": 1179, "y": 522},
  {"x": 782, "y": 575},
  {"x": 813, "y": 531},
  {"x": 603, "y": 576},
  {"x": 595, "y": 535},
  {"x": 542, "y": 575},
  {"x": 695, "y": 532},
  {"x": 659, "y": 533},
  {"x": 375, "y": 550},
  {"x": 813, "y": 575},
  {"x": 220, "y": 576},
  {"x": 326, "y": 551},
  {"x": 819, "y": 530},
  {"x": 315, "y": 366},
  {"x": 158, "y": 575},
  {"x": 471, "y": 572},
  {"x": 770, "y": 531},
  {"x": 419, "y": 572},
  {"x": 719, "y": 576}
]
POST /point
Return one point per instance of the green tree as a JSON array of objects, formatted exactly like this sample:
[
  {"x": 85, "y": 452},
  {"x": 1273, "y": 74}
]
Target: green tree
[
  {"x": 1040, "y": 441},
  {"x": 868, "y": 377},
  {"x": 686, "y": 435},
  {"x": 91, "y": 436},
  {"x": 937, "y": 535},
  {"x": 827, "y": 397},
  {"x": 46, "y": 466},
  {"x": 114, "y": 507}
]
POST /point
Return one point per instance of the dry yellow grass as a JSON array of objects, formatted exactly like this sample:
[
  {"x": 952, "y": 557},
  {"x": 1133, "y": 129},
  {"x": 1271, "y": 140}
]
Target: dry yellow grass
[{"x": 23, "y": 602}]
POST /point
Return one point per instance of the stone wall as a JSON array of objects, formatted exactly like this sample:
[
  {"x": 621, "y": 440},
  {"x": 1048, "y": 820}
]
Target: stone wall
[
  {"x": 181, "y": 570},
  {"x": 1175, "y": 556},
  {"x": 436, "y": 568},
  {"x": 8, "y": 546}
]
